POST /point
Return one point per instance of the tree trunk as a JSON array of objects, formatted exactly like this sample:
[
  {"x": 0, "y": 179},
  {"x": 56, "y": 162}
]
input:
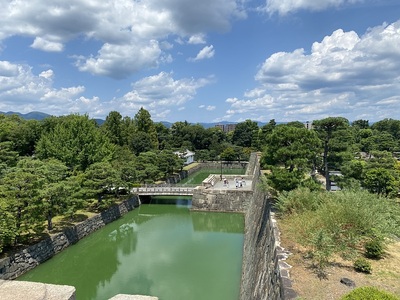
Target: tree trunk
[
  {"x": 49, "y": 220},
  {"x": 327, "y": 177}
]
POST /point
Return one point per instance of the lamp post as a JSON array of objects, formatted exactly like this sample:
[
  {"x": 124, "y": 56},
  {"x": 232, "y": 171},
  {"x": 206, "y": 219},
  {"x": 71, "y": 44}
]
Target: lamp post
[{"x": 221, "y": 170}]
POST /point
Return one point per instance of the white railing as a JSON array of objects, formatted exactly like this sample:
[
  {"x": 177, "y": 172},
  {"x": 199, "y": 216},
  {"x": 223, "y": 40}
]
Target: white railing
[{"x": 163, "y": 190}]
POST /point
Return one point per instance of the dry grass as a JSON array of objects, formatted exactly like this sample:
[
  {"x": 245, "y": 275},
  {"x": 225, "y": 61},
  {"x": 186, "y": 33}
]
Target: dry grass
[{"x": 385, "y": 272}]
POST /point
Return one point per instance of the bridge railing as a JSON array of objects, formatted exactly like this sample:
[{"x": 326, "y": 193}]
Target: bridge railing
[
  {"x": 163, "y": 190},
  {"x": 166, "y": 185}
]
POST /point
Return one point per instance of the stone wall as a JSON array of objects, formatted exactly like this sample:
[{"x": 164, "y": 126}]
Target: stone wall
[
  {"x": 221, "y": 200},
  {"x": 17, "y": 264},
  {"x": 265, "y": 274}
]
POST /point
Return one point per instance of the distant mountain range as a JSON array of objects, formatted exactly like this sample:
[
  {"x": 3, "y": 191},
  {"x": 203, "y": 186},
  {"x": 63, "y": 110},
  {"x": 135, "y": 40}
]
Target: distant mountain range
[{"x": 36, "y": 115}]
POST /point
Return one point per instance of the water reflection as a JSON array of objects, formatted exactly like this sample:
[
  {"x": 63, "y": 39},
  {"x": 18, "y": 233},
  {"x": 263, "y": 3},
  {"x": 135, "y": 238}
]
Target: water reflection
[{"x": 160, "y": 250}]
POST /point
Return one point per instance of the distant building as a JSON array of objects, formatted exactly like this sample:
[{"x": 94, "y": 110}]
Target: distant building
[
  {"x": 187, "y": 155},
  {"x": 220, "y": 126},
  {"x": 226, "y": 127},
  {"x": 308, "y": 125}
]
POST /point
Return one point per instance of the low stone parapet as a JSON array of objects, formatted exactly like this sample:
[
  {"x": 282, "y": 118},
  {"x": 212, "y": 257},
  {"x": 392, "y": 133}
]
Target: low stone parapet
[{"x": 17, "y": 290}]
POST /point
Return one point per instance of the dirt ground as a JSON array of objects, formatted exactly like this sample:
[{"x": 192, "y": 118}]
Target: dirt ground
[{"x": 385, "y": 274}]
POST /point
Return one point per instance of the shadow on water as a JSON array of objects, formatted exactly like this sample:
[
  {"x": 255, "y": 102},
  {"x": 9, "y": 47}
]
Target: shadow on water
[{"x": 184, "y": 202}]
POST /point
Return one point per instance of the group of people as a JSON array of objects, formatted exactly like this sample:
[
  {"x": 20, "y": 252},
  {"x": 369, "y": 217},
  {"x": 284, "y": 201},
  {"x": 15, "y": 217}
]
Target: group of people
[{"x": 238, "y": 182}]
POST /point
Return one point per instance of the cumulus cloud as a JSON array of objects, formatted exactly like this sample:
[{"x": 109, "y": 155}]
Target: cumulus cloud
[
  {"x": 160, "y": 92},
  {"x": 24, "y": 91},
  {"x": 347, "y": 74},
  {"x": 45, "y": 45},
  {"x": 284, "y": 7},
  {"x": 47, "y": 74},
  {"x": 119, "y": 61},
  {"x": 197, "y": 39},
  {"x": 205, "y": 53},
  {"x": 131, "y": 32}
]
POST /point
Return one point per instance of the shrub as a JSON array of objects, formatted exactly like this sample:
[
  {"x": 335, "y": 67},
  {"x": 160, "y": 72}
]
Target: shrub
[
  {"x": 362, "y": 265},
  {"x": 323, "y": 247},
  {"x": 369, "y": 293},
  {"x": 374, "y": 248},
  {"x": 329, "y": 223},
  {"x": 299, "y": 201}
]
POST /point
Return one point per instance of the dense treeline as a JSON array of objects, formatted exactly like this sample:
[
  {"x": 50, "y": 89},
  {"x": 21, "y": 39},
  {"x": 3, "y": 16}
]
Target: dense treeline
[
  {"x": 361, "y": 155},
  {"x": 62, "y": 164}
]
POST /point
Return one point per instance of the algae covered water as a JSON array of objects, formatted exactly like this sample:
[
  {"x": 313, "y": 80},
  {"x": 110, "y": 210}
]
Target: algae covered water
[{"x": 159, "y": 250}]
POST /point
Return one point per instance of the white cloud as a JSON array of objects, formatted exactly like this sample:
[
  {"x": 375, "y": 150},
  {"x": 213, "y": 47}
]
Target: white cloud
[
  {"x": 63, "y": 93},
  {"x": 133, "y": 34},
  {"x": 7, "y": 69},
  {"x": 207, "y": 107},
  {"x": 197, "y": 39},
  {"x": 205, "y": 53},
  {"x": 160, "y": 92},
  {"x": 47, "y": 74},
  {"x": 25, "y": 92},
  {"x": 45, "y": 45},
  {"x": 344, "y": 74},
  {"x": 119, "y": 61},
  {"x": 284, "y": 7}
]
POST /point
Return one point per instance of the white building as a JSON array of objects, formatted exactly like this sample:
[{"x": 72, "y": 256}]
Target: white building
[{"x": 187, "y": 155}]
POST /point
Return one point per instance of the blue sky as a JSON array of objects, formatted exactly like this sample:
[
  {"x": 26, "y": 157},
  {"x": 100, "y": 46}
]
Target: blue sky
[{"x": 202, "y": 61}]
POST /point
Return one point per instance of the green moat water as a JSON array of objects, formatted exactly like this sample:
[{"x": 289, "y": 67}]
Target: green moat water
[{"x": 162, "y": 250}]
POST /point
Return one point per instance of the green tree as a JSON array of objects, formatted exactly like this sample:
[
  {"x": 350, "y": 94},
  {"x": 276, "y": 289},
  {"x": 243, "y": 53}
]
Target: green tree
[
  {"x": 382, "y": 141},
  {"x": 8, "y": 228},
  {"x": 56, "y": 193},
  {"x": 77, "y": 141},
  {"x": 141, "y": 142},
  {"x": 264, "y": 132},
  {"x": 163, "y": 136},
  {"x": 281, "y": 179},
  {"x": 144, "y": 123},
  {"x": 8, "y": 157},
  {"x": 100, "y": 179},
  {"x": 20, "y": 187},
  {"x": 380, "y": 181},
  {"x": 390, "y": 126},
  {"x": 292, "y": 148},
  {"x": 228, "y": 154},
  {"x": 360, "y": 124},
  {"x": 128, "y": 130},
  {"x": 244, "y": 133},
  {"x": 124, "y": 162},
  {"x": 168, "y": 161},
  {"x": 333, "y": 132},
  {"x": 22, "y": 134},
  {"x": 113, "y": 127},
  {"x": 147, "y": 167},
  {"x": 290, "y": 153}
]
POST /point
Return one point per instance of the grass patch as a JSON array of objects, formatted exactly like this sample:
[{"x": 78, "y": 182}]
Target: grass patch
[
  {"x": 191, "y": 166},
  {"x": 340, "y": 223}
]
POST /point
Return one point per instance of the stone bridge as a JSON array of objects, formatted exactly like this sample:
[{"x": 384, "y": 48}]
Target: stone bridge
[{"x": 161, "y": 190}]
